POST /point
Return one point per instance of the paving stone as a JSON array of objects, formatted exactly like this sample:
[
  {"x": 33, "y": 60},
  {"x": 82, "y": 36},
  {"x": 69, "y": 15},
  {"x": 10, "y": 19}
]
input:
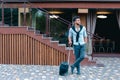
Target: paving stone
[{"x": 110, "y": 71}]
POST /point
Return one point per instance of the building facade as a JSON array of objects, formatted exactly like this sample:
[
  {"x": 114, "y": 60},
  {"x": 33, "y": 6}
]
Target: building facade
[{"x": 29, "y": 12}]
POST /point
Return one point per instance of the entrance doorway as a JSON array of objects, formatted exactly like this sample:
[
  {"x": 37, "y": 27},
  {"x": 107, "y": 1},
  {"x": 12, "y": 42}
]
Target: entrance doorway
[{"x": 108, "y": 28}]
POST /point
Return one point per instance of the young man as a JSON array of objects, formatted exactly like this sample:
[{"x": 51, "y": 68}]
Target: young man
[{"x": 78, "y": 37}]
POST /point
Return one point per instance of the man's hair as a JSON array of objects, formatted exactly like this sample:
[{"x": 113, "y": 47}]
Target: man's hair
[{"x": 75, "y": 17}]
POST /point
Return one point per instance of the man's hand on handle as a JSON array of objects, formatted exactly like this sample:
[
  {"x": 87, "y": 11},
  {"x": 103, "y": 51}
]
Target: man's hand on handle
[{"x": 70, "y": 43}]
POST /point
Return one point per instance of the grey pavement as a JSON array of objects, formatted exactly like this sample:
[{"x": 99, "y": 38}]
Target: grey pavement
[{"x": 110, "y": 71}]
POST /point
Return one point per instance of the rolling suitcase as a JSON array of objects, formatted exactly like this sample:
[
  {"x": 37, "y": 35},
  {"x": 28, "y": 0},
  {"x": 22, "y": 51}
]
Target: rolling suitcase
[{"x": 64, "y": 66}]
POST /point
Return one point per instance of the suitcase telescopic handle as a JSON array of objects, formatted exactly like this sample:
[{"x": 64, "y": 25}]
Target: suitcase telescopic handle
[{"x": 69, "y": 55}]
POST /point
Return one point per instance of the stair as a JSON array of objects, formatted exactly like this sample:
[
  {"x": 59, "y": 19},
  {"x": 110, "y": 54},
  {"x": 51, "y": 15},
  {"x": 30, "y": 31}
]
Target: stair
[
  {"x": 30, "y": 32},
  {"x": 85, "y": 62}
]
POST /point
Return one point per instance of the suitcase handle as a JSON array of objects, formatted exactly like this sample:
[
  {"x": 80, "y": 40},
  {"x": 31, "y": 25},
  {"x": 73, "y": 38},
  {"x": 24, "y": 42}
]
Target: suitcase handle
[{"x": 69, "y": 55}]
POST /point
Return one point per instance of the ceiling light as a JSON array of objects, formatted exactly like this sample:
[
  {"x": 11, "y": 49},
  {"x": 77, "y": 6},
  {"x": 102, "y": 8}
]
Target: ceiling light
[
  {"x": 104, "y": 12},
  {"x": 54, "y": 16},
  {"x": 55, "y": 12},
  {"x": 102, "y": 16}
]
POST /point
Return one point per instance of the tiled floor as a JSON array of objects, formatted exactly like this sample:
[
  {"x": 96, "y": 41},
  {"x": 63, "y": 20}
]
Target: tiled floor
[{"x": 111, "y": 71}]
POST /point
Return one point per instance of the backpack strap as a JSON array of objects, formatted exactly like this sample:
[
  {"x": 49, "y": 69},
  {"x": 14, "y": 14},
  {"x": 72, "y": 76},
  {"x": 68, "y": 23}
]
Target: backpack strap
[{"x": 77, "y": 37}]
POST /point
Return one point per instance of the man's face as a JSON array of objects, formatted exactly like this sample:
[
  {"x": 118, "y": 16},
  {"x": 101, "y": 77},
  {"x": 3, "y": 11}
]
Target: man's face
[{"x": 77, "y": 21}]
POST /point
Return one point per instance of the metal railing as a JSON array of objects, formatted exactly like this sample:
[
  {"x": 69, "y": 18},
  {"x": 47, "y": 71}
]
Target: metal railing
[{"x": 54, "y": 27}]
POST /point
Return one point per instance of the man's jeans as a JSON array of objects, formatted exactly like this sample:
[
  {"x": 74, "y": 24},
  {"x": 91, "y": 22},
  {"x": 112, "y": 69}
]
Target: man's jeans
[{"x": 79, "y": 52}]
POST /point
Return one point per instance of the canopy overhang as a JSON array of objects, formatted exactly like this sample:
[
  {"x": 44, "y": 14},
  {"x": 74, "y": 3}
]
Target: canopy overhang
[{"x": 62, "y": 4}]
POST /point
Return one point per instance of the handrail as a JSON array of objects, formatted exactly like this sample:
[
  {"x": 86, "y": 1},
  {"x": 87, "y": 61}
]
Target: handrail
[
  {"x": 69, "y": 23},
  {"x": 59, "y": 19}
]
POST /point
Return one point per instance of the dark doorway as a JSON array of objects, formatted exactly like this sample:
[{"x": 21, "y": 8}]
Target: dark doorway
[{"x": 109, "y": 29}]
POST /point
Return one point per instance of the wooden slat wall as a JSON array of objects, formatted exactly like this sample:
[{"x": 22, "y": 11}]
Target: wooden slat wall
[{"x": 23, "y": 49}]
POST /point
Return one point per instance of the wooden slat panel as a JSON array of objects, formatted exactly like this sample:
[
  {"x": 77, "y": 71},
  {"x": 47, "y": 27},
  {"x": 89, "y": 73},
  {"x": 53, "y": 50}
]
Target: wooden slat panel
[
  {"x": 43, "y": 51},
  {"x": 0, "y": 48},
  {"x": 36, "y": 52},
  {"x": 21, "y": 51},
  {"x": 15, "y": 41},
  {"x": 4, "y": 49},
  {"x": 43, "y": 57},
  {"x": 8, "y": 49},
  {"x": 38, "y": 49},
  {"x": 3, "y": 56},
  {"x": 59, "y": 57},
  {"x": 23, "y": 46},
  {"x": 48, "y": 55},
  {"x": 56, "y": 54},
  {"x": 51, "y": 53},
  {"x": 52, "y": 56},
  {"x": 28, "y": 57},
  {"x": 24, "y": 49},
  {"x": 19, "y": 39},
  {"x": 44, "y": 54},
  {"x": 12, "y": 49},
  {"x": 30, "y": 53},
  {"x": 17, "y": 49},
  {"x": 33, "y": 53},
  {"x": 40, "y": 52}
]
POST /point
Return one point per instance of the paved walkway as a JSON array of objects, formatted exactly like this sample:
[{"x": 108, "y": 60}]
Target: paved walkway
[{"x": 111, "y": 71}]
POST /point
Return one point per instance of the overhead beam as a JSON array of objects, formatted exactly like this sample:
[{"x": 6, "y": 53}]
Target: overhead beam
[
  {"x": 18, "y": 1},
  {"x": 65, "y": 5}
]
